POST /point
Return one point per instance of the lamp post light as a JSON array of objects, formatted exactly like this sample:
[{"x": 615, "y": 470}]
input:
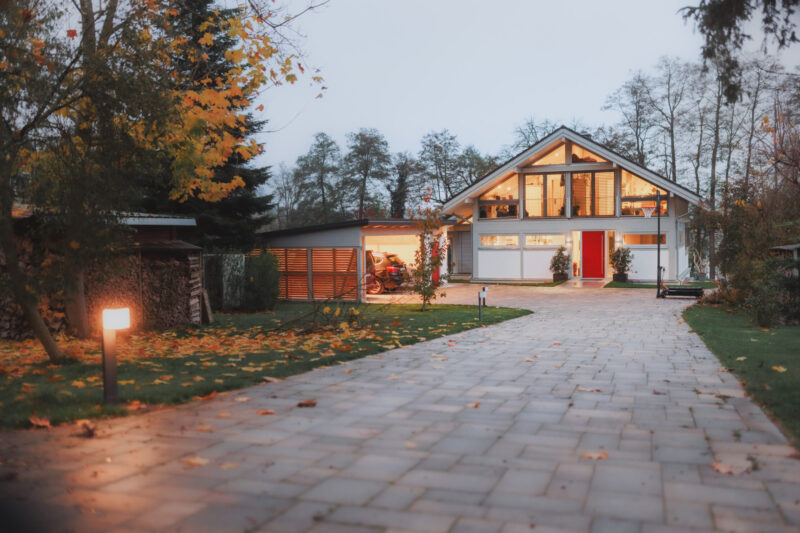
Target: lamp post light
[{"x": 113, "y": 319}]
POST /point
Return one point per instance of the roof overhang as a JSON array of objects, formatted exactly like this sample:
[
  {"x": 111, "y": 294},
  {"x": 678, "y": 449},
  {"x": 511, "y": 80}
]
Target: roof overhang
[{"x": 563, "y": 133}]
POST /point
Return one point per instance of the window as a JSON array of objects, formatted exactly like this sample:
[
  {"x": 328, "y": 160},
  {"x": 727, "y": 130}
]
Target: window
[
  {"x": 593, "y": 194},
  {"x": 556, "y": 156},
  {"x": 555, "y": 239},
  {"x": 544, "y": 195},
  {"x": 635, "y": 239},
  {"x": 637, "y": 193},
  {"x": 502, "y": 201},
  {"x": 496, "y": 241},
  {"x": 581, "y": 155}
]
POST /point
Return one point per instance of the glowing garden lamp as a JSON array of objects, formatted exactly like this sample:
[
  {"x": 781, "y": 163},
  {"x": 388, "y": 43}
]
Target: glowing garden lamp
[{"x": 113, "y": 319}]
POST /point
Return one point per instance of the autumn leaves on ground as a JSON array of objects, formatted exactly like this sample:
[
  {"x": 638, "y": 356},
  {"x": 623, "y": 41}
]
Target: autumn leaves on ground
[{"x": 196, "y": 363}]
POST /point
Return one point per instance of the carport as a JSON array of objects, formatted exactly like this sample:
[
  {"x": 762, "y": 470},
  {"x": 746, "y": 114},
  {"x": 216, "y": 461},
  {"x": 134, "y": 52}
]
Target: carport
[{"x": 326, "y": 261}]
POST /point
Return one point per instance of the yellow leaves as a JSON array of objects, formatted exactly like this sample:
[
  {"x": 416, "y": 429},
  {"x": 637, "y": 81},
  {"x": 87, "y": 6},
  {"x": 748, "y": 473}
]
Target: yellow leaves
[
  {"x": 228, "y": 466},
  {"x": 265, "y": 412},
  {"x": 595, "y": 456},
  {"x": 780, "y": 369},
  {"x": 195, "y": 461},
  {"x": 40, "y": 422},
  {"x": 310, "y": 402},
  {"x": 78, "y": 384},
  {"x": 205, "y": 428},
  {"x": 207, "y": 39},
  {"x": 741, "y": 358},
  {"x": 74, "y": 244}
]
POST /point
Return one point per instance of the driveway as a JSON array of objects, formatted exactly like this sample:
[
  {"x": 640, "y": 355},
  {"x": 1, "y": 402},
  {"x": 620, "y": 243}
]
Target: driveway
[{"x": 599, "y": 412}]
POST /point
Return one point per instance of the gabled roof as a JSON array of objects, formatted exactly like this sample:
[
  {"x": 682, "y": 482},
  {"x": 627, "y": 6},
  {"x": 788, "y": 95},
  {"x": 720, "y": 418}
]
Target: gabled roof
[{"x": 566, "y": 133}]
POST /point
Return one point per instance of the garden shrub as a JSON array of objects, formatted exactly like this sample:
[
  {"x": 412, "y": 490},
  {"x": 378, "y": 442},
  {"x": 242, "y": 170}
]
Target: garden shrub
[
  {"x": 621, "y": 260},
  {"x": 559, "y": 264},
  {"x": 261, "y": 282}
]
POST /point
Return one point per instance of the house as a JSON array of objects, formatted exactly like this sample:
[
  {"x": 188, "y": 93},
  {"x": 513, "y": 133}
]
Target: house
[{"x": 567, "y": 190}]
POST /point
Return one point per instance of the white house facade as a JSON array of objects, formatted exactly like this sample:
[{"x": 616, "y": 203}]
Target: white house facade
[{"x": 568, "y": 190}]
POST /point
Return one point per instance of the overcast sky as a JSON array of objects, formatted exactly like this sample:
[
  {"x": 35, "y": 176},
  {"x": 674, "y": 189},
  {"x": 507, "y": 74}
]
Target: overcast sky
[{"x": 477, "y": 68}]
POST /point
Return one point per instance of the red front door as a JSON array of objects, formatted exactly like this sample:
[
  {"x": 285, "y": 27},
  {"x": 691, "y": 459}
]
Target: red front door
[{"x": 593, "y": 256}]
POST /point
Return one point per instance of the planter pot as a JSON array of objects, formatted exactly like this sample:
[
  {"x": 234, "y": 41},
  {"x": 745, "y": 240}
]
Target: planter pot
[
  {"x": 560, "y": 276},
  {"x": 621, "y": 277}
]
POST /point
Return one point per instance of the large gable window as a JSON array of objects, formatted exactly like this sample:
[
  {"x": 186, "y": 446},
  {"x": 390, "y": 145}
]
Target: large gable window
[
  {"x": 544, "y": 195},
  {"x": 502, "y": 201},
  {"x": 556, "y": 156},
  {"x": 637, "y": 194},
  {"x": 582, "y": 155},
  {"x": 593, "y": 194}
]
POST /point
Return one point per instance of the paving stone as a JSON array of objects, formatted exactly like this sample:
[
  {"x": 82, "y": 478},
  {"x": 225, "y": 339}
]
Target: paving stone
[{"x": 344, "y": 491}]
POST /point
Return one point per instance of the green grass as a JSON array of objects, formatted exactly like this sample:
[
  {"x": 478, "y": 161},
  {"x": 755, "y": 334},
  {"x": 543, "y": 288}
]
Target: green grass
[
  {"x": 542, "y": 284},
  {"x": 284, "y": 342},
  {"x": 636, "y": 285},
  {"x": 731, "y": 335}
]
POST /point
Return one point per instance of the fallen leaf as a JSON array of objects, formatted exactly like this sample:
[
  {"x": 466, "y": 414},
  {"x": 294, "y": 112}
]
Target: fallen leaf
[
  {"x": 528, "y": 360},
  {"x": 347, "y": 371},
  {"x": 555, "y": 343},
  {"x": 269, "y": 379},
  {"x": 780, "y": 369},
  {"x": 584, "y": 389},
  {"x": 265, "y": 412},
  {"x": 228, "y": 466},
  {"x": 205, "y": 428},
  {"x": 195, "y": 461},
  {"x": 87, "y": 429},
  {"x": 40, "y": 422},
  {"x": 311, "y": 402},
  {"x": 597, "y": 456},
  {"x": 657, "y": 393},
  {"x": 223, "y": 415},
  {"x": 135, "y": 405},
  {"x": 474, "y": 405},
  {"x": 410, "y": 444},
  {"x": 741, "y": 358},
  {"x": 242, "y": 399},
  {"x": 722, "y": 468}
]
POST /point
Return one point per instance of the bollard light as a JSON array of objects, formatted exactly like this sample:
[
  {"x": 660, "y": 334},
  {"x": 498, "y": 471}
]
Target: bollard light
[{"x": 113, "y": 319}]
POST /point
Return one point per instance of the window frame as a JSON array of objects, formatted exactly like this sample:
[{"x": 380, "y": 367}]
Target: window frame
[
  {"x": 527, "y": 246},
  {"x": 518, "y": 202},
  {"x": 666, "y": 197},
  {"x": 592, "y": 188},
  {"x": 653, "y": 246},
  {"x": 482, "y": 246},
  {"x": 544, "y": 175}
]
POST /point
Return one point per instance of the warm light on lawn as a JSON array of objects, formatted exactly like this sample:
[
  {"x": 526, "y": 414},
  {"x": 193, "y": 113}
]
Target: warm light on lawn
[
  {"x": 117, "y": 318},
  {"x": 113, "y": 319}
]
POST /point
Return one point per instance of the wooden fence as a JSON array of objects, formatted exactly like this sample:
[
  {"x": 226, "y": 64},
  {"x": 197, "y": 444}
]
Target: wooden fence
[{"x": 317, "y": 273}]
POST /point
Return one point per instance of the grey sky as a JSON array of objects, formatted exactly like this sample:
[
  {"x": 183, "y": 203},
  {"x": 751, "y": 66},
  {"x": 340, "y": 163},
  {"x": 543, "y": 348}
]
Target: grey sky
[{"x": 477, "y": 68}]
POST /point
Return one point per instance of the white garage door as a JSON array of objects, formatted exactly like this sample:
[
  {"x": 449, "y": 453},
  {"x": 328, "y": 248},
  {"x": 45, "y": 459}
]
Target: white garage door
[{"x": 499, "y": 264}]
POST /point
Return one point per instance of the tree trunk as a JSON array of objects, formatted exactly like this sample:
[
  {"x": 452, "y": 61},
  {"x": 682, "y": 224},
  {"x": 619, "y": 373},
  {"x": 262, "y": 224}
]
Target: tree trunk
[
  {"x": 712, "y": 255},
  {"x": 77, "y": 316}
]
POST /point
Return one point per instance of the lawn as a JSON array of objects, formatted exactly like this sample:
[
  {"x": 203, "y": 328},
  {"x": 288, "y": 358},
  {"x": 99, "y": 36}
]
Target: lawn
[
  {"x": 767, "y": 361},
  {"x": 542, "y": 284},
  {"x": 237, "y": 351},
  {"x": 637, "y": 285}
]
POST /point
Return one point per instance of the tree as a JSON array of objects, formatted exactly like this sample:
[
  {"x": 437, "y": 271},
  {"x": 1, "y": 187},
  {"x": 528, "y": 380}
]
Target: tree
[
  {"x": 529, "y": 133},
  {"x": 316, "y": 173},
  {"x": 367, "y": 162},
  {"x": 430, "y": 254},
  {"x": 666, "y": 97},
  {"x": 632, "y": 102},
  {"x": 230, "y": 222},
  {"x": 439, "y": 155},
  {"x": 404, "y": 175},
  {"x": 287, "y": 193},
  {"x": 472, "y": 166},
  {"x": 721, "y": 22},
  {"x": 83, "y": 108}
]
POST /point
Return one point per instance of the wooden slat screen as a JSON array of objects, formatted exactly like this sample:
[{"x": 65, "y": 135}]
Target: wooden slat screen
[{"x": 333, "y": 273}]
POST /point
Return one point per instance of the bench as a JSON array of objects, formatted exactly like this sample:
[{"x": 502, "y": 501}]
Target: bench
[{"x": 694, "y": 292}]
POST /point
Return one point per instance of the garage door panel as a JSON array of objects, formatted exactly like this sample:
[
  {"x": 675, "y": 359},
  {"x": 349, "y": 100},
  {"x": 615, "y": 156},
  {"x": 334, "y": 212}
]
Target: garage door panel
[
  {"x": 499, "y": 264},
  {"x": 644, "y": 263}
]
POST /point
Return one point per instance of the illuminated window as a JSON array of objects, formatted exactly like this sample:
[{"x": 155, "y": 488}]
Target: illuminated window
[
  {"x": 634, "y": 239},
  {"x": 637, "y": 194},
  {"x": 556, "y": 156},
  {"x": 593, "y": 194},
  {"x": 496, "y": 241},
  {"x": 555, "y": 239},
  {"x": 501, "y": 201},
  {"x": 544, "y": 195},
  {"x": 581, "y": 155}
]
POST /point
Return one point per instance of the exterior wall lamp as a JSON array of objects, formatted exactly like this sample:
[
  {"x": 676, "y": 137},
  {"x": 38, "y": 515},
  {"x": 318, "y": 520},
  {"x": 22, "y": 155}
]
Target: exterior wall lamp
[{"x": 113, "y": 319}]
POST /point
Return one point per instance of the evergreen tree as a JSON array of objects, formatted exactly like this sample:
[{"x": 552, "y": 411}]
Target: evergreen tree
[{"x": 232, "y": 221}]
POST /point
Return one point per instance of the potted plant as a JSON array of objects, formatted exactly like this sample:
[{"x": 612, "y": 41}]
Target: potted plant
[
  {"x": 621, "y": 263},
  {"x": 559, "y": 264}
]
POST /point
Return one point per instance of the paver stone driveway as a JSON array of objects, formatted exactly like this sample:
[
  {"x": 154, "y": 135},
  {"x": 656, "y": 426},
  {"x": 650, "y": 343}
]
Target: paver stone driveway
[{"x": 599, "y": 412}]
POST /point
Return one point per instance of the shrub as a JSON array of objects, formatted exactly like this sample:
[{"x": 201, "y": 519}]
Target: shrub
[
  {"x": 559, "y": 264},
  {"x": 261, "y": 282},
  {"x": 621, "y": 260}
]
